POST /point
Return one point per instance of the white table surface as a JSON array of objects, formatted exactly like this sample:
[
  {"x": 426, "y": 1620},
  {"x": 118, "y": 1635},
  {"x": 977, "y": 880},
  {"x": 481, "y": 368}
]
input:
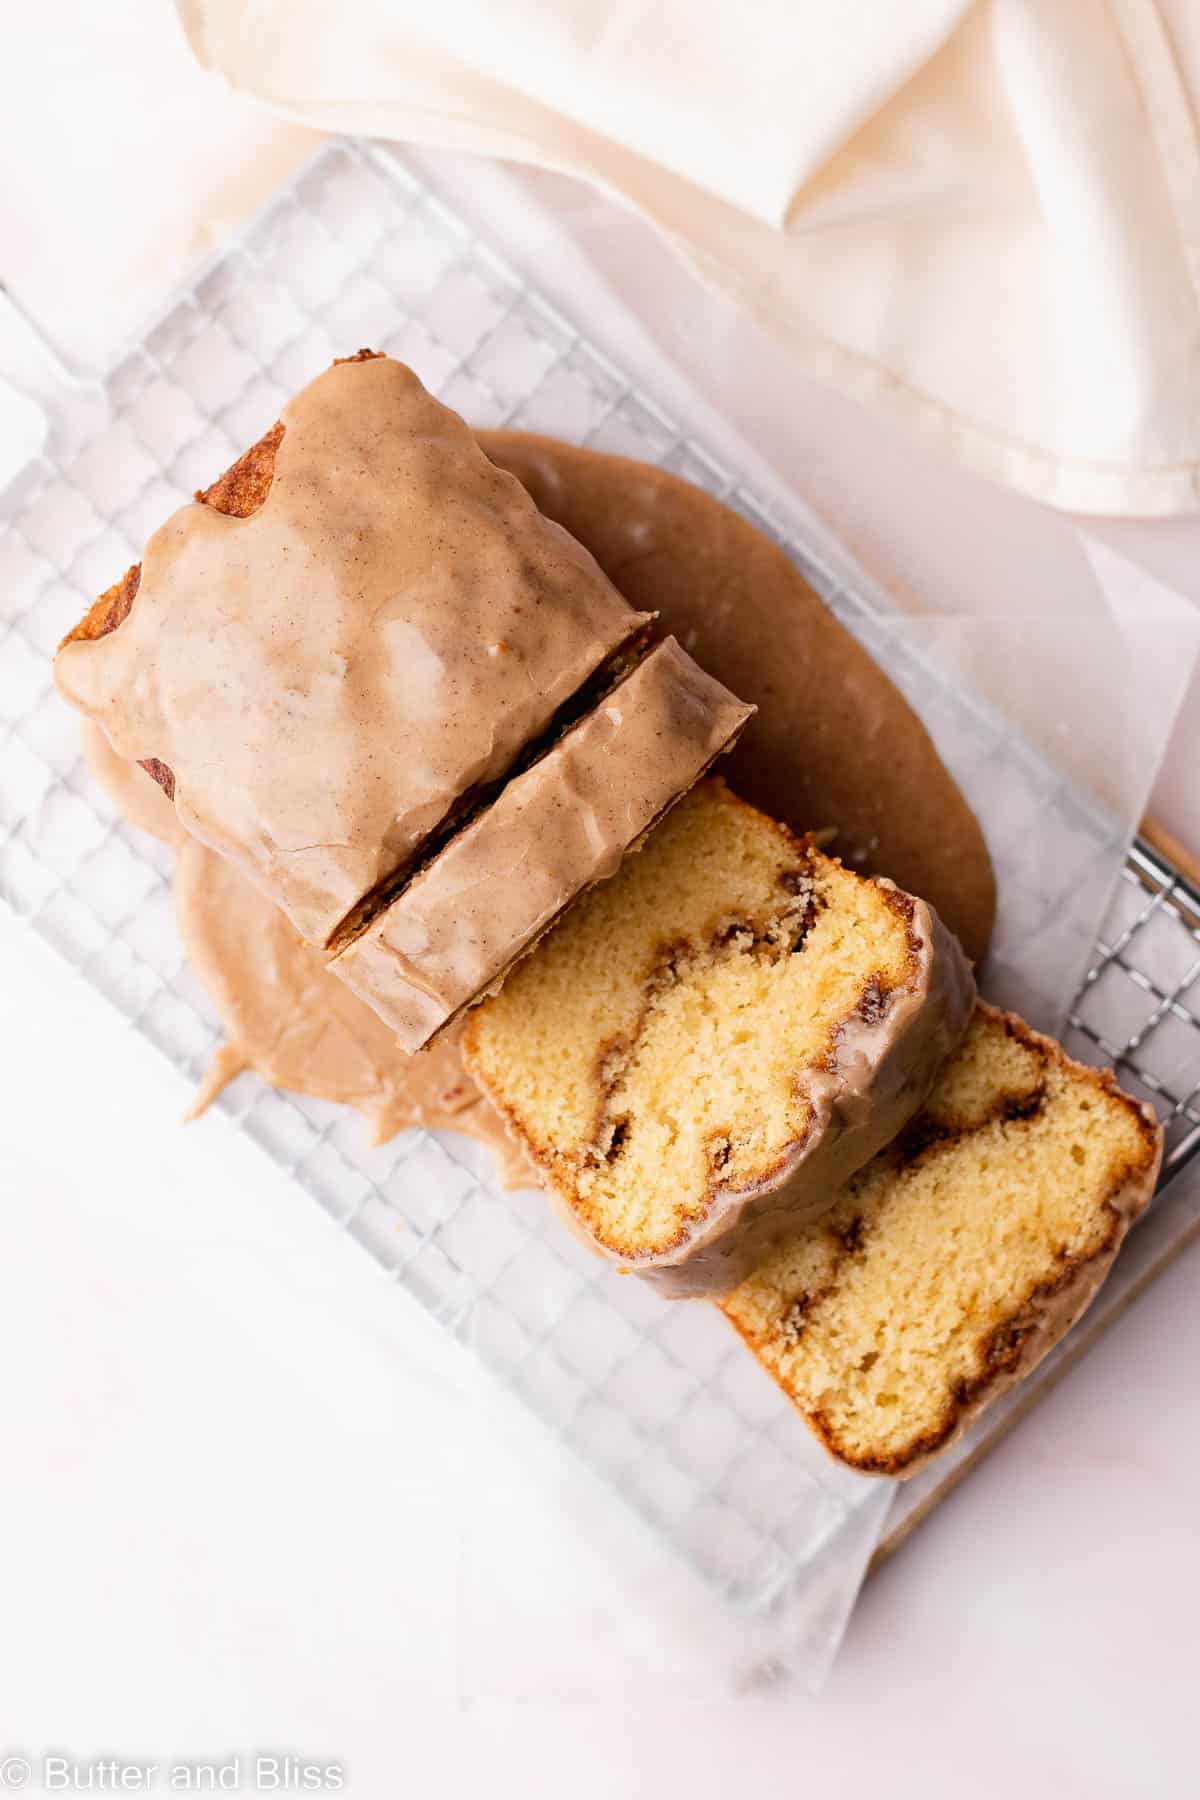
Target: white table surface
[{"x": 232, "y": 1496}]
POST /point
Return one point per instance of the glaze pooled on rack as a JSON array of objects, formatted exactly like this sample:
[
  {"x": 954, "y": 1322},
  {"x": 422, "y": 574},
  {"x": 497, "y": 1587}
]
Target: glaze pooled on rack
[
  {"x": 299, "y": 1027},
  {"x": 834, "y": 742},
  {"x": 285, "y": 1016}
]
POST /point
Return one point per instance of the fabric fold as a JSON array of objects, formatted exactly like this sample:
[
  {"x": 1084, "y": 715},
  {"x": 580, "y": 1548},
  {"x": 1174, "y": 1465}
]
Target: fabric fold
[{"x": 977, "y": 213}]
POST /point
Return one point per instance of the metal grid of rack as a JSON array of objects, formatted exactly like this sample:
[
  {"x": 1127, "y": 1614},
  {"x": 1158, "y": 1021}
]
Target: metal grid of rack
[
  {"x": 659, "y": 1400},
  {"x": 1139, "y": 1006}
]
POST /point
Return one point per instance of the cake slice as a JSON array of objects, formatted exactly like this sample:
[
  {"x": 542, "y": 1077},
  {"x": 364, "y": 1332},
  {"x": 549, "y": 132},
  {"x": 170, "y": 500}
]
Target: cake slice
[
  {"x": 707, "y": 1045},
  {"x": 340, "y": 650},
  {"x": 562, "y": 825},
  {"x": 956, "y": 1259}
]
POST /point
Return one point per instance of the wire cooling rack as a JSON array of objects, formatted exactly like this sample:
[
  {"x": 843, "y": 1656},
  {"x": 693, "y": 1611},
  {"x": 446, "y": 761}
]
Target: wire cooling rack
[
  {"x": 1139, "y": 1007},
  {"x": 657, "y": 1399}
]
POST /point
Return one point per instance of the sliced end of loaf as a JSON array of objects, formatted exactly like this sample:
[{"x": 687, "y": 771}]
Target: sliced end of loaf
[
  {"x": 693, "y": 1039},
  {"x": 959, "y": 1256}
]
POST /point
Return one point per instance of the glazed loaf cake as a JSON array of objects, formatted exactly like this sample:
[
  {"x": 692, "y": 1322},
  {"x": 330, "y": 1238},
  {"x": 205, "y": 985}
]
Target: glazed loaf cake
[
  {"x": 558, "y": 827},
  {"x": 707, "y": 1045},
  {"x": 954, "y": 1261},
  {"x": 341, "y": 648}
]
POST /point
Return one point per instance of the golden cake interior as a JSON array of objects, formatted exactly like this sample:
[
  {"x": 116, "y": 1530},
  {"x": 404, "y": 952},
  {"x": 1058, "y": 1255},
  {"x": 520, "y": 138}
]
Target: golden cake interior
[
  {"x": 648, "y": 1054},
  {"x": 918, "y": 1293}
]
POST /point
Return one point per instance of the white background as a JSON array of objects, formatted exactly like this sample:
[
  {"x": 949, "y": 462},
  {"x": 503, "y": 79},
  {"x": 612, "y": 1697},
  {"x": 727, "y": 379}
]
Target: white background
[{"x": 232, "y": 1496}]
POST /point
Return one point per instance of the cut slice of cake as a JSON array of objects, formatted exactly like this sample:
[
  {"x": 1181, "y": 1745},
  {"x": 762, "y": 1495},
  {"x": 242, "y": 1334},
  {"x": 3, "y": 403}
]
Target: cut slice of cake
[
  {"x": 707, "y": 1045},
  {"x": 345, "y": 645},
  {"x": 956, "y": 1259},
  {"x": 556, "y": 829}
]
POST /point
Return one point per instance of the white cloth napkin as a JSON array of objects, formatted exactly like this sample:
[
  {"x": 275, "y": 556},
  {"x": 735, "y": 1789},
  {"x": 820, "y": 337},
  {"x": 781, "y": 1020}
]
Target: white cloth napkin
[{"x": 982, "y": 213}]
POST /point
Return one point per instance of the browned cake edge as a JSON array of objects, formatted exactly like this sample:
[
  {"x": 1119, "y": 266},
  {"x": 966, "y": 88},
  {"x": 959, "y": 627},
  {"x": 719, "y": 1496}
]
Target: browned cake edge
[
  {"x": 712, "y": 1252},
  {"x": 1018, "y": 1343}
]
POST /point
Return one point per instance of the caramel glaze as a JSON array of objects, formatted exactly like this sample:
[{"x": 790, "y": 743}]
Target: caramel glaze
[
  {"x": 331, "y": 676},
  {"x": 834, "y": 742},
  {"x": 297, "y": 1026},
  {"x": 557, "y": 829},
  {"x": 285, "y": 1016},
  {"x": 134, "y": 792}
]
